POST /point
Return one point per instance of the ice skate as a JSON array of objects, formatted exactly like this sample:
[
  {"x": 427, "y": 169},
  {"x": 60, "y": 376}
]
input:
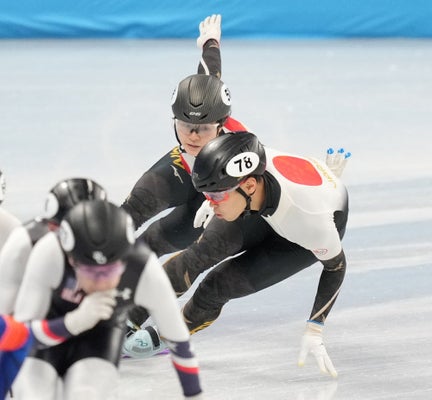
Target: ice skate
[{"x": 143, "y": 343}]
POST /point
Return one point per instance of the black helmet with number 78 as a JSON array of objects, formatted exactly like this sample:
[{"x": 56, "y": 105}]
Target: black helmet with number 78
[
  {"x": 227, "y": 160},
  {"x": 96, "y": 232},
  {"x": 201, "y": 99}
]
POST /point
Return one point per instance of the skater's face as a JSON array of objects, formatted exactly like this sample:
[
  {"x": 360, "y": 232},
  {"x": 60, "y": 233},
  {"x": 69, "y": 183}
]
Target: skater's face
[
  {"x": 194, "y": 136},
  {"x": 230, "y": 204},
  {"x": 95, "y": 278},
  {"x": 220, "y": 197}
]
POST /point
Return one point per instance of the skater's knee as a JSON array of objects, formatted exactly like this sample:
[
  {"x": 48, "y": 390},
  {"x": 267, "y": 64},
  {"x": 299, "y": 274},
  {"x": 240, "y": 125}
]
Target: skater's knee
[
  {"x": 156, "y": 239},
  {"x": 199, "y": 315},
  {"x": 180, "y": 274},
  {"x": 137, "y": 315}
]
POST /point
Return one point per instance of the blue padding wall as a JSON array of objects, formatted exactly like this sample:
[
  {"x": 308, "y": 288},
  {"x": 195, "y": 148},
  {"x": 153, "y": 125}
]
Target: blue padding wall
[{"x": 241, "y": 18}]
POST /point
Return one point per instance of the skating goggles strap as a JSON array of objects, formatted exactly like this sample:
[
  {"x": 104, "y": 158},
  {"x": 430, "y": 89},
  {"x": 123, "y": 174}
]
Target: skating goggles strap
[
  {"x": 97, "y": 272},
  {"x": 187, "y": 128}
]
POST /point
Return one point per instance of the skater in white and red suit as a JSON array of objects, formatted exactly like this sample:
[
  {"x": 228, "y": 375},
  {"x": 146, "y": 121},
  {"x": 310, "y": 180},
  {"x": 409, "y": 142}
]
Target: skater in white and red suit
[{"x": 278, "y": 213}]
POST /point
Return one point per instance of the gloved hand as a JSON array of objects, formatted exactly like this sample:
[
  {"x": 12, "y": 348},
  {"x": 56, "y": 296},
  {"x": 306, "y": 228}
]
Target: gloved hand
[
  {"x": 312, "y": 342},
  {"x": 210, "y": 28},
  {"x": 95, "y": 307},
  {"x": 336, "y": 161},
  {"x": 203, "y": 215}
]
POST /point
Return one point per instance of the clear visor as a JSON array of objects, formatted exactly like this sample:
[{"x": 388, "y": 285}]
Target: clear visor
[{"x": 187, "y": 128}]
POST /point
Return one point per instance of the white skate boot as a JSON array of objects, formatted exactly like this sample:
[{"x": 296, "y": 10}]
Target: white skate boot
[{"x": 143, "y": 343}]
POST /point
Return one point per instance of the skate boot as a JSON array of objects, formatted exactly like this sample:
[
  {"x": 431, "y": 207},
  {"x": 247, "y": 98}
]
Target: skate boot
[{"x": 143, "y": 343}]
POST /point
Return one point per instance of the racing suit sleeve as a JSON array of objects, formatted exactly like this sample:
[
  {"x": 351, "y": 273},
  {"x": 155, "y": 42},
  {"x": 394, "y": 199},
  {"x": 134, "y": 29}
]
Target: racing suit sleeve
[
  {"x": 210, "y": 63},
  {"x": 13, "y": 334},
  {"x": 329, "y": 286},
  {"x": 166, "y": 184},
  {"x": 43, "y": 274},
  {"x": 154, "y": 292}
]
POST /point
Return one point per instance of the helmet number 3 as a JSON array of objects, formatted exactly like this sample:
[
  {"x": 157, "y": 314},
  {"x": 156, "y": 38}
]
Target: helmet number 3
[{"x": 242, "y": 164}]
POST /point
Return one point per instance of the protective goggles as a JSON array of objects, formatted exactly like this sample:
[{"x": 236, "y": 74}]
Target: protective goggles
[
  {"x": 100, "y": 272},
  {"x": 219, "y": 197},
  {"x": 201, "y": 129}
]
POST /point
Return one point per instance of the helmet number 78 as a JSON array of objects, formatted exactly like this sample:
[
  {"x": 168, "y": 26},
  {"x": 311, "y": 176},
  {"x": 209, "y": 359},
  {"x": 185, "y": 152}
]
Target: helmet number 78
[{"x": 243, "y": 164}]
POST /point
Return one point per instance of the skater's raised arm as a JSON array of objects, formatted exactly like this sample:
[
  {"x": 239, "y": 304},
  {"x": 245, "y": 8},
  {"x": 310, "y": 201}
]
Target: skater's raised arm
[{"x": 209, "y": 41}]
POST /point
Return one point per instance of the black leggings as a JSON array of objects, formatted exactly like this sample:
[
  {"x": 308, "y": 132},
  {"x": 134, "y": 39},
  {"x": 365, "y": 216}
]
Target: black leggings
[
  {"x": 262, "y": 265},
  {"x": 175, "y": 231},
  {"x": 102, "y": 342}
]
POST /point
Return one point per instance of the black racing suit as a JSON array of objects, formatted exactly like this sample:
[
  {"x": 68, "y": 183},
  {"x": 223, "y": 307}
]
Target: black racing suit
[{"x": 167, "y": 184}]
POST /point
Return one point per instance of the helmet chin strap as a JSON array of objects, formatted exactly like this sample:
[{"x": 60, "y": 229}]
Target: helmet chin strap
[
  {"x": 176, "y": 134},
  {"x": 248, "y": 199}
]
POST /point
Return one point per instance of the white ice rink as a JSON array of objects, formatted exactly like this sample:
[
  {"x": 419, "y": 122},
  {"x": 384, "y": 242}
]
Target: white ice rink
[{"x": 102, "y": 109}]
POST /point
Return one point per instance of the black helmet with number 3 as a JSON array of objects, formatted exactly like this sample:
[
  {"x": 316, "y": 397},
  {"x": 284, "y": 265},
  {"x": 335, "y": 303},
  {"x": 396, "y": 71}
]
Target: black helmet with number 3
[
  {"x": 227, "y": 160},
  {"x": 67, "y": 193},
  {"x": 201, "y": 99},
  {"x": 96, "y": 232}
]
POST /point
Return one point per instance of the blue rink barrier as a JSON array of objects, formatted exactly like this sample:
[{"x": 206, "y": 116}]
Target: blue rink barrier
[{"x": 261, "y": 19}]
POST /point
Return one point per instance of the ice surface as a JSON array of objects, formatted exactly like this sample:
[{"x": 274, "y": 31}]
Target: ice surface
[{"x": 102, "y": 109}]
